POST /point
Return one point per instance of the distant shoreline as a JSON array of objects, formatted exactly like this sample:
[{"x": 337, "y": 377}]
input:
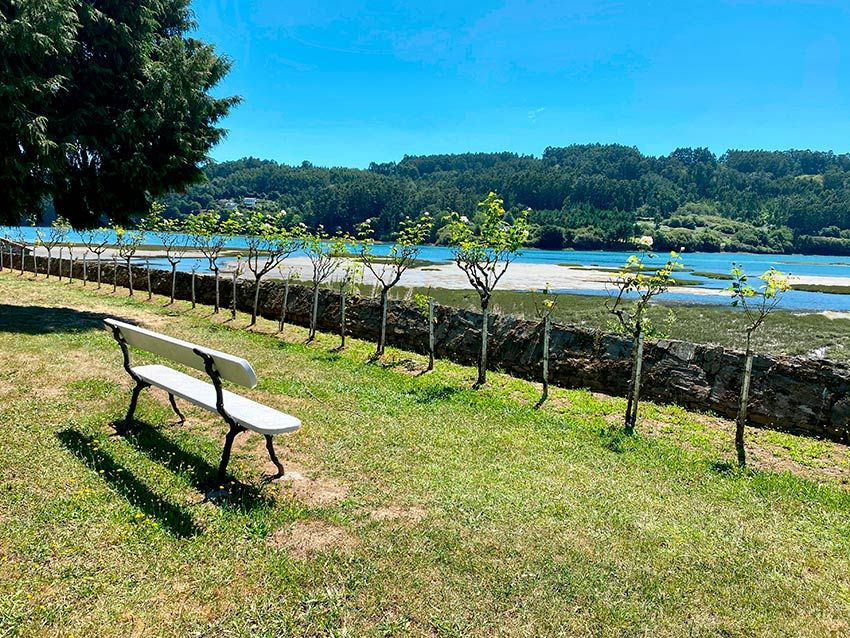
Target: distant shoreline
[{"x": 520, "y": 276}]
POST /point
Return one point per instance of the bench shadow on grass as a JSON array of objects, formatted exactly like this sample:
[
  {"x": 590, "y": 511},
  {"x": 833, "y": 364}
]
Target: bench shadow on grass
[
  {"x": 173, "y": 518},
  {"x": 38, "y": 320},
  {"x": 202, "y": 475}
]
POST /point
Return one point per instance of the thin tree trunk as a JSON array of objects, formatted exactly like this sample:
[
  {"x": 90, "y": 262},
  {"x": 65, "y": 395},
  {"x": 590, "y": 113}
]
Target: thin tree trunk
[
  {"x": 314, "y": 314},
  {"x": 256, "y": 301},
  {"x": 547, "y": 330},
  {"x": 193, "y": 287},
  {"x": 742, "y": 410},
  {"x": 233, "y": 297},
  {"x": 85, "y": 269},
  {"x": 634, "y": 386},
  {"x": 59, "y": 269},
  {"x": 382, "y": 335},
  {"x": 342, "y": 319},
  {"x": 173, "y": 282},
  {"x": 217, "y": 292},
  {"x": 34, "y": 264},
  {"x": 114, "y": 274},
  {"x": 283, "y": 306},
  {"x": 48, "y": 264},
  {"x": 148, "y": 274},
  {"x": 98, "y": 270},
  {"x": 430, "y": 334},
  {"x": 71, "y": 268},
  {"x": 485, "y": 328},
  {"x": 129, "y": 277},
  {"x": 23, "y": 259}
]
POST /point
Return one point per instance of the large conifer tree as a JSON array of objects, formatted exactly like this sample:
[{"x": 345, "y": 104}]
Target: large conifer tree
[{"x": 103, "y": 105}]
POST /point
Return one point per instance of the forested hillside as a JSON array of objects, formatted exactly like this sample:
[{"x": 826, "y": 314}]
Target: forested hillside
[{"x": 582, "y": 196}]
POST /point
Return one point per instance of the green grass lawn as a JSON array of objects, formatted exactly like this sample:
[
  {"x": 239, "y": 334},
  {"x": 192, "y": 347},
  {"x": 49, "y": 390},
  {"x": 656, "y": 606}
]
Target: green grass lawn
[{"x": 414, "y": 506}]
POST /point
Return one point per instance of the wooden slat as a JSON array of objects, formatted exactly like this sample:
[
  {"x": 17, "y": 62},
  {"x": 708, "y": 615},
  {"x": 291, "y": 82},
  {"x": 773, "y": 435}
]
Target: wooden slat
[{"x": 231, "y": 368}]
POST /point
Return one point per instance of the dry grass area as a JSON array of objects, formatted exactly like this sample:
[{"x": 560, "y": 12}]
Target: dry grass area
[{"x": 413, "y": 505}]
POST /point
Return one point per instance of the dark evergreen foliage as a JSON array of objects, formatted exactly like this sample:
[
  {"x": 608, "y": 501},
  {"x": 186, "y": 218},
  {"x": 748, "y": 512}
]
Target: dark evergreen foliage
[
  {"x": 597, "y": 196},
  {"x": 103, "y": 105}
]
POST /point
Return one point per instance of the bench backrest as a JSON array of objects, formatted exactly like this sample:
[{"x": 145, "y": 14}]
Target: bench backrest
[{"x": 230, "y": 368}]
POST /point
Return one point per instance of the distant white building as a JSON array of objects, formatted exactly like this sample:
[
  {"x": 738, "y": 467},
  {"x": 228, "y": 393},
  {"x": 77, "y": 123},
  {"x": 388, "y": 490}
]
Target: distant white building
[{"x": 249, "y": 202}]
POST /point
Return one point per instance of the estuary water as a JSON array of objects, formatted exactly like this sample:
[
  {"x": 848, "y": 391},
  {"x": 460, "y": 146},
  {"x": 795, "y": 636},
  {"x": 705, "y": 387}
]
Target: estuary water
[{"x": 819, "y": 269}]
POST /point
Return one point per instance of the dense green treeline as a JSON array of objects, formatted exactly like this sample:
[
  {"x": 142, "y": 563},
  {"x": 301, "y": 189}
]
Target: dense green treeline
[{"x": 581, "y": 196}]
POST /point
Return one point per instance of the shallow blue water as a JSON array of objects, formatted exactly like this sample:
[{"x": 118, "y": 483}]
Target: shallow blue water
[{"x": 754, "y": 264}]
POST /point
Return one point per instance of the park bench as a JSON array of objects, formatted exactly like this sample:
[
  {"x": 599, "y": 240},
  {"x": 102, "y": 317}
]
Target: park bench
[{"x": 239, "y": 412}]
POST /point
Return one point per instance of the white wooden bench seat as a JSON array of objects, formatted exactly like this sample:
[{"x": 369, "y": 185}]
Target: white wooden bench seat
[
  {"x": 247, "y": 413},
  {"x": 239, "y": 412}
]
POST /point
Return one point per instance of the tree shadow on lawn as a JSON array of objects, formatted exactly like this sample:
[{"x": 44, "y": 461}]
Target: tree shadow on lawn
[
  {"x": 435, "y": 393},
  {"x": 38, "y": 320},
  {"x": 233, "y": 495},
  {"x": 173, "y": 518}
]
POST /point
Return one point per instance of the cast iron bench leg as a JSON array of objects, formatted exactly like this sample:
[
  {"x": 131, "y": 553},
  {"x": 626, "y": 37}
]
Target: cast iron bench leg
[
  {"x": 225, "y": 455},
  {"x": 140, "y": 385},
  {"x": 175, "y": 408},
  {"x": 273, "y": 456}
]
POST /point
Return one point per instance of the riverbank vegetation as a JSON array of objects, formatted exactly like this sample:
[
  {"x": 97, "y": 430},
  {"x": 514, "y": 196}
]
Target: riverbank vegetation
[
  {"x": 825, "y": 334},
  {"x": 414, "y": 505},
  {"x": 582, "y": 196}
]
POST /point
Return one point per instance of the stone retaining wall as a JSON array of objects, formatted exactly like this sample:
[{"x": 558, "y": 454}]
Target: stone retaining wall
[{"x": 803, "y": 396}]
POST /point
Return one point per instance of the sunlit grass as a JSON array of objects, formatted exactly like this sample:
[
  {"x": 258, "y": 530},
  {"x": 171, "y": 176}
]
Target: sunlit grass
[{"x": 462, "y": 512}]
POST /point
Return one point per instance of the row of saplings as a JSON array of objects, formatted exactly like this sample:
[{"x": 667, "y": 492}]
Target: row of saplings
[{"x": 483, "y": 249}]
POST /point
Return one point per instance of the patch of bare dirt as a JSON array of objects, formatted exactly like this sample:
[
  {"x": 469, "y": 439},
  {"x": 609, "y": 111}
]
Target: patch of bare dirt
[
  {"x": 395, "y": 513},
  {"x": 299, "y": 481},
  {"x": 311, "y": 489},
  {"x": 305, "y": 539}
]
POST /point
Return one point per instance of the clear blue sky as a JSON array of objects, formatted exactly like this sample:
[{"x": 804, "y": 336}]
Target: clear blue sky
[{"x": 348, "y": 82}]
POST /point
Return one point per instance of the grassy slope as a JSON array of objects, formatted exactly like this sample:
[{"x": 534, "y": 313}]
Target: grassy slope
[{"x": 455, "y": 512}]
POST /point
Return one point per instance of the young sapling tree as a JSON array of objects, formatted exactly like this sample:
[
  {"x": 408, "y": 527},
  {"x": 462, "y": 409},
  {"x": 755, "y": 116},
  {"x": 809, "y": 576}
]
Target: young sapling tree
[
  {"x": 269, "y": 245},
  {"x": 236, "y": 273},
  {"x": 57, "y": 233},
  {"x": 127, "y": 242},
  {"x": 96, "y": 241},
  {"x": 38, "y": 241},
  {"x": 351, "y": 274},
  {"x": 326, "y": 253},
  {"x": 209, "y": 234},
  {"x": 484, "y": 254},
  {"x": 388, "y": 269},
  {"x": 293, "y": 275},
  {"x": 4, "y": 239},
  {"x": 148, "y": 277},
  {"x": 757, "y": 304},
  {"x": 635, "y": 279},
  {"x": 544, "y": 308},
  {"x": 169, "y": 232},
  {"x": 194, "y": 271},
  {"x": 425, "y": 303},
  {"x": 22, "y": 240}
]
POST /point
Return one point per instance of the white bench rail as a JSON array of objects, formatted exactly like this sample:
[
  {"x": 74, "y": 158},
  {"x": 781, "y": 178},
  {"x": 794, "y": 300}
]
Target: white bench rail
[
  {"x": 240, "y": 413},
  {"x": 233, "y": 369}
]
